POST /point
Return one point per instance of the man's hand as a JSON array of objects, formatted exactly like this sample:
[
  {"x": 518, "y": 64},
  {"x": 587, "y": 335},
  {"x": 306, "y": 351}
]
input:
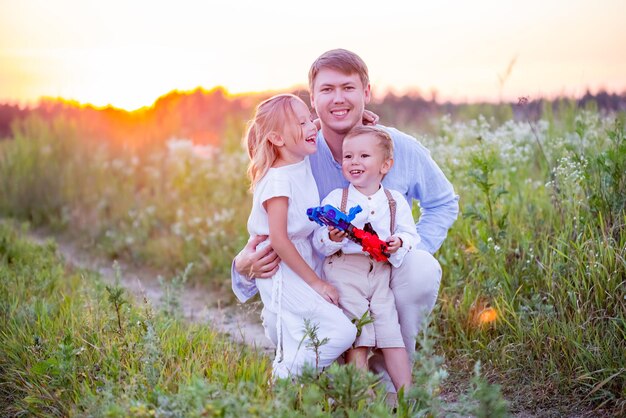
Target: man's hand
[
  {"x": 336, "y": 234},
  {"x": 393, "y": 244},
  {"x": 260, "y": 264}
]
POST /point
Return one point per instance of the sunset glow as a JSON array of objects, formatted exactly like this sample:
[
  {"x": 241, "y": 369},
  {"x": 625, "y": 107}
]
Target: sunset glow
[{"x": 129, "y": 53}]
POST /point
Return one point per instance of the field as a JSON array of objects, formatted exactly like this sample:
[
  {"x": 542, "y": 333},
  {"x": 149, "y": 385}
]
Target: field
[{"x": 533, "y": 287}]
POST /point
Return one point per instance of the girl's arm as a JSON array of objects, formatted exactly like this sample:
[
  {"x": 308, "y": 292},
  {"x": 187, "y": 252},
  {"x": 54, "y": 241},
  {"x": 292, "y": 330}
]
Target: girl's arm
[{"x": 277, "y": 209}]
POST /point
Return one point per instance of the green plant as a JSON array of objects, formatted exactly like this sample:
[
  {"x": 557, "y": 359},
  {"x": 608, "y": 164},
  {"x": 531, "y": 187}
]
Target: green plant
[
  {"x": 482, "y": 400},
  {"x": 364, "y": 320},
  {"x": 483, "y": 166},
  {"x": 117, "y": 296},
  {"x": 172, "y": 292},
  {"x": 313, "y": 341}
]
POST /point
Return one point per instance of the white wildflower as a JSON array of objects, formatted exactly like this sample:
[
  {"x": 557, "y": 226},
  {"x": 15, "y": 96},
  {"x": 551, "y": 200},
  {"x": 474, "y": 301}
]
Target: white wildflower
[
  {"x": 204, "y": 152},
  {"x": 177, "y": 229},
  {"x": 179, "y": 145}
]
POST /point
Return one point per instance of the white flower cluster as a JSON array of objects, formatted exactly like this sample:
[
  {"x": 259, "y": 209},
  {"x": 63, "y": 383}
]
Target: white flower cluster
[{"x": 185, "y": 148}]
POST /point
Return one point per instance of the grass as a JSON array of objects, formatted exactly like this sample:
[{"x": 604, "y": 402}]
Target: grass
[
  {"x": 167, "y": 207},
  {"x": 72, "y": 346},
  {"x": 67, "y": 350},
  {"x": 540, "y": 244},
  {"x": 542, "y": 240}
]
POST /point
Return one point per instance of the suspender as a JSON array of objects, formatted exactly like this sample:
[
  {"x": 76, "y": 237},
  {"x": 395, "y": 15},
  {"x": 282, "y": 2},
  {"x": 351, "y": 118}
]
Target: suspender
[
  {"x": 392, "y": 210},
  {"x": 344, "y": 200},
  {"x": 390, "y": 199}
]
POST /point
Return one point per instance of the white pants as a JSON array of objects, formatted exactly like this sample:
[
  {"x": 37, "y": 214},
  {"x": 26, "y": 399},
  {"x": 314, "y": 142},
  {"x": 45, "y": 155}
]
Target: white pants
[
  {"x": 299, "y": 302},
  {"x": 415, "y": 285}
]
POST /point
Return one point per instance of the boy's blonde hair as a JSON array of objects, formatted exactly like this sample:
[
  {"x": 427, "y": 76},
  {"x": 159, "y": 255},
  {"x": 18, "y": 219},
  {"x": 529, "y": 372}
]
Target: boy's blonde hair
[
  {"x": 342, "y": 60},
  {"x": 271, "y": 117},
  {"x": 384, "y": 139}
]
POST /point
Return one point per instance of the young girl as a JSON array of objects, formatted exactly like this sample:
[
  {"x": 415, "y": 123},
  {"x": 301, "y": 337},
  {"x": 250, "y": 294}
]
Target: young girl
[{"x": 279, "y": 139}]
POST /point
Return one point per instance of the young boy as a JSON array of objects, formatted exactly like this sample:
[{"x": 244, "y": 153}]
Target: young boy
[{"x": 363, "y": 284}]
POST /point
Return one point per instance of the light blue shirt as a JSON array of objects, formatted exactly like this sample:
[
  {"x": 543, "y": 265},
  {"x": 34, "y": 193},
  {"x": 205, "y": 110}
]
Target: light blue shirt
[{"x": 414, "y": 174}]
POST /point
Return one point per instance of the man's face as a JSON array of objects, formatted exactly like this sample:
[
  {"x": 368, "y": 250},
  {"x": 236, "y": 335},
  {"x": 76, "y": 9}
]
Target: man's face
[{"x": 339, "y": 100}]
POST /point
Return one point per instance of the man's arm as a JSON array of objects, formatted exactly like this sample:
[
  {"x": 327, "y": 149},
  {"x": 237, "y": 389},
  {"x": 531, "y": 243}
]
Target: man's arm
[
  {"x": 438, "y": 202},
  {"x": 435, "y": 221},
  {"x": 251, "y": 264}
]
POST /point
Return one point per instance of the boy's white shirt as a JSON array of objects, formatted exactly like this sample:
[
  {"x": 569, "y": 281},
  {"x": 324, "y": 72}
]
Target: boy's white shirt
[{"x": 375, "y": 210}]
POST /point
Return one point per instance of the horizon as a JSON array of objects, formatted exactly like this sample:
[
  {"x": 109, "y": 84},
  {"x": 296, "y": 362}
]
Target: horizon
[
  {"x": 128, "y": 55},
  {"x": 376, "y": 98}
]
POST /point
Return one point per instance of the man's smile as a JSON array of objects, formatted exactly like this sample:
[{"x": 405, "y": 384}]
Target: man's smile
[{"x": 339, "y": 112}]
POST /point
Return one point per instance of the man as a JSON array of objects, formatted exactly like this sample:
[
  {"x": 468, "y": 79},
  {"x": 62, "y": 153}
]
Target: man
[{"x": 340, "y": 89}]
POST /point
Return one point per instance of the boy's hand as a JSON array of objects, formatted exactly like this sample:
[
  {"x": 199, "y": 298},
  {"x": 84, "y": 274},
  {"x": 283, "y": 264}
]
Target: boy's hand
[
  {"x": 393, "y": 243},
  {"x": 336, "y": 234}
]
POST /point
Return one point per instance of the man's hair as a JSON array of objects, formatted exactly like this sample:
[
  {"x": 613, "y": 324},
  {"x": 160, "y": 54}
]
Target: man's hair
[
  {"x": 341, "y": 60},
  {"x": 384, "y": 139}
]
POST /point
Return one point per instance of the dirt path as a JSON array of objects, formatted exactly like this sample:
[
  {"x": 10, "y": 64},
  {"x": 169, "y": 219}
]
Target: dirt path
[{"x": 241, "y": 322}]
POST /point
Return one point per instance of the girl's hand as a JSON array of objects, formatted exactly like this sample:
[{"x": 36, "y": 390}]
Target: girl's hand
[
  {"x": 335, "y": 234},
  {"x": 318, "y": 123},
  {"x": 393, "y": 243},
  {"x": 327, "y": 291},
  {"x": 370, "y": 118}
]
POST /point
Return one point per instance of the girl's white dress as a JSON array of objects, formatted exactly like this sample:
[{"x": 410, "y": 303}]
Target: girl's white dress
[{"x": 287, "y": 299}]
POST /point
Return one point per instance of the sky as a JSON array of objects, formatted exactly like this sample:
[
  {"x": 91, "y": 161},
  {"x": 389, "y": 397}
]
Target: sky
[{"x": 128, "y": 53}]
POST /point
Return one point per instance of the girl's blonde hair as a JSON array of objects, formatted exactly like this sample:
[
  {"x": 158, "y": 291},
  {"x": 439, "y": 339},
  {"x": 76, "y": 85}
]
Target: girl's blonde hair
[{"x": 271, "y": 117}]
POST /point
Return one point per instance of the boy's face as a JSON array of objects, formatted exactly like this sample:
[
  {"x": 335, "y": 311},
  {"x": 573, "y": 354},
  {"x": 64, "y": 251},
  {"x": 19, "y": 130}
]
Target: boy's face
[
  {"x": 363, "y": 163},
  {"x": 339, "y": 100}
]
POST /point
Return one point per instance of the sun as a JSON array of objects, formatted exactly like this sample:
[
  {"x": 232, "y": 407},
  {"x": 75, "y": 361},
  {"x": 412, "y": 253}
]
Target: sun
[{"x": 128, "y": 78}]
